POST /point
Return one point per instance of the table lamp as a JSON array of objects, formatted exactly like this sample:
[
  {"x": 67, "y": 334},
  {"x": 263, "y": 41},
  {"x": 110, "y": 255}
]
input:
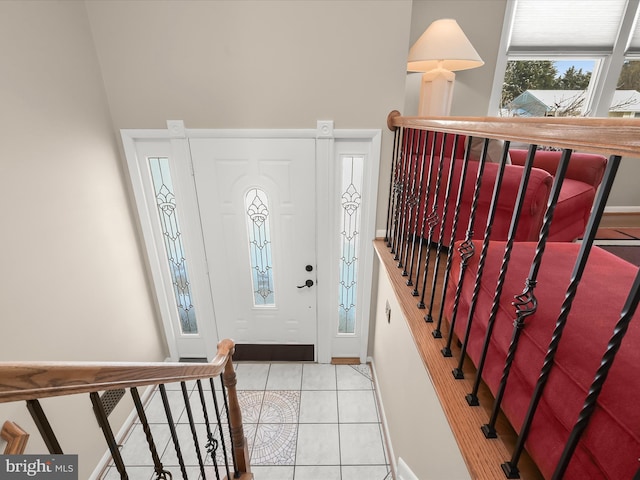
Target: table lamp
[{"x": 442, "y": 49}]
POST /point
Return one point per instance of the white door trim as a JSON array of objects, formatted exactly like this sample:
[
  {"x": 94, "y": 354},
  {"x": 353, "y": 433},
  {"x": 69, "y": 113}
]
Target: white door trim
[
  {"x": 169, "y": 143},
  {"x": 327, "y": 147},
  {"x": 175, "y": 138}
]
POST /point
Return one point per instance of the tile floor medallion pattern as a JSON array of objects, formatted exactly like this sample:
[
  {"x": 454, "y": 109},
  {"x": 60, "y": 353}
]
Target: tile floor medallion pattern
[{"x": 302, "y": 421}]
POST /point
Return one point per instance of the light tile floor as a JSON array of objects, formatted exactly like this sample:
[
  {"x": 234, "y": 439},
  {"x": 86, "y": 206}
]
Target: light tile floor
[{"x": 302, "y": 421}]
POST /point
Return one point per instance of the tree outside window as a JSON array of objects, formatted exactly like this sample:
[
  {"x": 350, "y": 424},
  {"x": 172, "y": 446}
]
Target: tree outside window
[
  {"x": 560, "y": 88},
  {"x": 545, "y": 88}
]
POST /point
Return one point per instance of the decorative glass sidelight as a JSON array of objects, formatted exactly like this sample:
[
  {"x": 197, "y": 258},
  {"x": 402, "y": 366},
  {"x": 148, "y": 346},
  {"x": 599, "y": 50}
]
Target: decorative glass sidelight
[
  {"x": 257, "y": 209},
  {"x": 174, "y": 249},
  {"x": 350, "y": 200}
]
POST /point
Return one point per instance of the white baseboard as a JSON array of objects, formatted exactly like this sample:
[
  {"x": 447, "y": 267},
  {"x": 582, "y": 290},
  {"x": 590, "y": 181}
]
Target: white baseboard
[
  {"x": 383, "y": 420},
  {"x": 628, "y": 209},
  {"x": 404, "y": 472}
]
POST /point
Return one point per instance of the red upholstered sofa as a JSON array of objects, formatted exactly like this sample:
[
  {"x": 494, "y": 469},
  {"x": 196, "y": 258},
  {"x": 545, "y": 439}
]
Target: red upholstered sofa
[
  {"x": 578, "y": 191},
  {"x": 584, "y": 174},
  {"x": 610, "y": 447}
]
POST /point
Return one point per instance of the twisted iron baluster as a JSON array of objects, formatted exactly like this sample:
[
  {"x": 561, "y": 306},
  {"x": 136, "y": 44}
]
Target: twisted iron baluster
[
  {"x": 466, "y": 249},
  {"x": 608, "y": 358},
  {"x": 161, "y": 473},
  {"x": 454, "y": 229},
  {"x": 405, "y": 200},
  {"x": 212, "y": 444},
  {"x": 457, "y": 372},
  {"x": 399, "y": 189},
  {"x": 425, "y": 207},
  {"x": 445, "y": 208},
  {"x": 172, "y": 429},
  {"x": 217, "y": 409},
  {"x": 394, "y": 159},
  {"x": 192, "y": 426},
  {"x": 419, "y": 196},
  {"x": 511, "y": 467},
  {"x": 101, "y": 417},
  {"x": 576, "y": 276},
  {"x": 472, "y": 398},
  {"x": 413, "y": 198},
  {"x": 526, "y": 305},
  {"x": 432, "y": 219}
]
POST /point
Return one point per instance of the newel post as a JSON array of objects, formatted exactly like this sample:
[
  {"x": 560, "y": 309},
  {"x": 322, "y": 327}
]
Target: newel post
[{"x": 238, "y": 440}]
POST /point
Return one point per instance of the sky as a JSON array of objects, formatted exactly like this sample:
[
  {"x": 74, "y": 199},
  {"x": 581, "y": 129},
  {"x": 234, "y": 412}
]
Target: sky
[{"x": 585, "y": 65}]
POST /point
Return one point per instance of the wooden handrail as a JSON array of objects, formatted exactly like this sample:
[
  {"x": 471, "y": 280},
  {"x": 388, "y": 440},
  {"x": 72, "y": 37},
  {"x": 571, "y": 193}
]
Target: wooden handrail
[
  {"x": 15, "y": 437},
  {"x": 607, "y": 136},
  {"x": 34, "y": 380}
]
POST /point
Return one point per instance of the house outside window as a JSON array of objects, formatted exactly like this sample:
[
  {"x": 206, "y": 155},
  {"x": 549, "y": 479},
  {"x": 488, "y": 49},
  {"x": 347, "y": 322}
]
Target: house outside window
[{"x": 569, "y": 58}]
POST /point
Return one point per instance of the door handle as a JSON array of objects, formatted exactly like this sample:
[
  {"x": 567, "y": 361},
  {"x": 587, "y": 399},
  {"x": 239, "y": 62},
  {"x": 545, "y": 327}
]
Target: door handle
[{"x": 308, "y": 283}]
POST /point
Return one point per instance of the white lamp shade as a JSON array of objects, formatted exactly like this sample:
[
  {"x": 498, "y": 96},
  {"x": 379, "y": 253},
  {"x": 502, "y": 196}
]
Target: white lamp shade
[{"x": 443, "y": 45}]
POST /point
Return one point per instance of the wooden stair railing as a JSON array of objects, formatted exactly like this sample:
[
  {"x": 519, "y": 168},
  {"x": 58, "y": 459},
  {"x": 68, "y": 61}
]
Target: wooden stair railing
[
  {"x": 422, "y": 147},
  {"x": 15, "y": 437},
  {"x": 33, "y": 381}
]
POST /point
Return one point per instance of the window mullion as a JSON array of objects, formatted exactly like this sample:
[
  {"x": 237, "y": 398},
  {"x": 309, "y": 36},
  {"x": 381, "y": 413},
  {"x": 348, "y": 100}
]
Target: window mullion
[
  {"x": 607, "y": 81},
  {"x": 501, "y": 60}
]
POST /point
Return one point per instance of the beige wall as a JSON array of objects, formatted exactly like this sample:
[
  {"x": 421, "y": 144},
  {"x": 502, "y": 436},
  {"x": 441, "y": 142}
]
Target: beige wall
[
  {"x": 73, "y": 285},
  {"x": 625, "y": 191},
  {"x": 254, "y": 64},
  {"x": 482, "y": 24},
  {"x": 418, "y": 429},
  {"x": 72, "y": 268}
]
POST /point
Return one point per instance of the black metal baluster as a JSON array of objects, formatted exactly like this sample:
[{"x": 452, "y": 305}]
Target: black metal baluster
[
  {"x": 457, "y": 372},
  {"x": 413, "y": 199},
  {"x": 44, "y": 427},
  {"x": 425, "y": 207},
  {"x": 608, "y": 358},
  {"x": 433, "y": 217},
  {"x": 222, "y": 440},
  {"x": 472, "y": 398},
  {"x": 212, "y": 443},
  {"x": 525, "y": 304},
  {"x": 192, "y": 426},
  {"x": 236, "y": 473},
  {"x": 405, "y": 200},
  {"x": 437, "y": 333},
  {"x": 399, "y": 192},
  {"x": 445, "y": 208},
  {"x": 101, "y": 416},
  {"x": 396, "y": 191},
  {"x": 399, "y": 188},
  {"x": 576, "y": 276},
  {"x": 161, "y": 473},
  {"x": 421, "y": 142},
  {"x": 394, "y": 159},
  {"x": 172, "y": 429},
  {"x": 528, "y": 297},
  {"x": 466, "y": 248}
]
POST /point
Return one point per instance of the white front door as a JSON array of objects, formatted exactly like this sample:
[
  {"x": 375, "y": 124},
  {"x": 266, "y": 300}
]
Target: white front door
[
  {"x": 309, "y": 194},
  {"x": 256, "y": 199}
]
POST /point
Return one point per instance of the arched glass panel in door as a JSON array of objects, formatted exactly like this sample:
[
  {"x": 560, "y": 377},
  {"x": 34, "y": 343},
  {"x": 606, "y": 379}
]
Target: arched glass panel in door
[{"x": 259, "y": 234}]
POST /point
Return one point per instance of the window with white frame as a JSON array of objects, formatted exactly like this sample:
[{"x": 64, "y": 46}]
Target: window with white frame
[{"x": 570, "y": 58}]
